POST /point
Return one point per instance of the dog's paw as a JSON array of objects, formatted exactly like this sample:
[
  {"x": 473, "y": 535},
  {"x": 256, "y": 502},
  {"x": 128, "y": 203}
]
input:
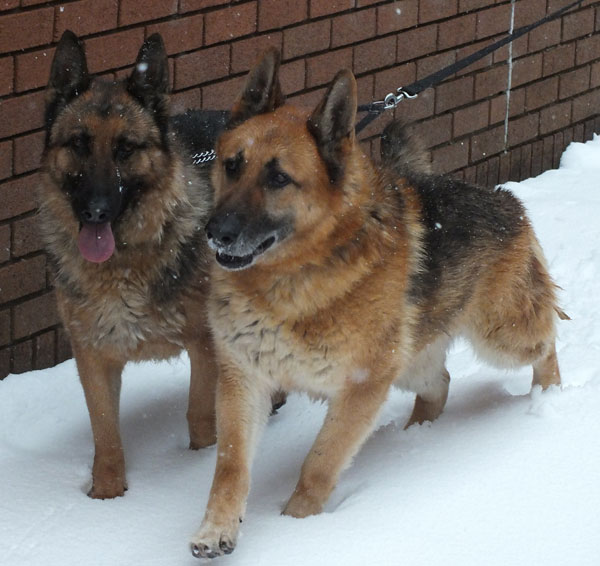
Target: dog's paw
[
  {"x": 212, "y": 541},
  {"x": 107, "y": 490},
  {"x": 301, "y": 505}
]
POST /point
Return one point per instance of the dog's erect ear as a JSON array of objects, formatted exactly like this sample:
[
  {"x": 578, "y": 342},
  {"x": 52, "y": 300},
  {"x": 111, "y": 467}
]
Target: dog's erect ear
[
  {"x": 149, "y": 80},
  {"x": 262, "y": 91},
  {"x": 332, "y": 122},
  {"x": 68, "y": 75}
]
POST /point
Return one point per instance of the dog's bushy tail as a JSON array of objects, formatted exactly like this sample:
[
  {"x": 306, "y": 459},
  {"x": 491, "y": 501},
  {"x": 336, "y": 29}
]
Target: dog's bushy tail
[{"x": 402, "y": 151}]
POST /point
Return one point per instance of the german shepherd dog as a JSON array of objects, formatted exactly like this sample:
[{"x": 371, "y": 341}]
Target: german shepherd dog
[
  {"x": 123, "y": 211},
  {"x": 339, "y": 278}
]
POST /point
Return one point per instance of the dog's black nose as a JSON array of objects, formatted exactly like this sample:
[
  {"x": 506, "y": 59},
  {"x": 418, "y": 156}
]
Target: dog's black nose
[
  {"x": 96, "y": 212},
  {"x": 225, "y": 228}
]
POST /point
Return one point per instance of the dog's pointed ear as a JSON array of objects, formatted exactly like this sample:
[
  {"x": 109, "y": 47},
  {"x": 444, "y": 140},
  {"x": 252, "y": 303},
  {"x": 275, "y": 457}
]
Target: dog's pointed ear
[
  {"x": 149, "y": 80},
  {"x": 332, "y": 122},
  {"x": 261, "y": 92},
  {"x": 69, "y": 75}
]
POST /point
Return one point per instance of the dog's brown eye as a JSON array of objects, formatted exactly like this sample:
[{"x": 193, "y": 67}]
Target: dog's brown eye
[
  {"x": 80, "y": 144},
  {"x": 278, "y": 180},
  {"x": 232, "y": 165},
  {"x": 124, "y": 150}
]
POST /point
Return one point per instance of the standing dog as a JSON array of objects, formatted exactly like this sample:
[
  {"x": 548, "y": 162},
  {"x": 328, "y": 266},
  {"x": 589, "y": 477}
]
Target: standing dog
[
  {"x": 340, "y": 279},
  {"x": 122, "y": 211}
]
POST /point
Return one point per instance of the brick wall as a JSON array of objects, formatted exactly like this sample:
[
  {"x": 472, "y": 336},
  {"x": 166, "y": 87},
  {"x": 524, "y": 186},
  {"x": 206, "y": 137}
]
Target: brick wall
[{"x": 554, "y": 74}]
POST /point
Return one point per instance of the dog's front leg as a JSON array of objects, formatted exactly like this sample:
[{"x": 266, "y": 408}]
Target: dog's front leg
[
  {"x": 201, "y": 405},
  {"x": 350, "y": 419},
  {"x": 101, "y": 381},
  {"x": 242, "y": 410}
]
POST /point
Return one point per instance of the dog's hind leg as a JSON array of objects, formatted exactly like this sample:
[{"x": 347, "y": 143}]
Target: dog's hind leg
[
  {"x": 428, "y": 377},
  {"x": 545, "y": 370},
  {"x": 101, "y": 380},
  {"x": 201, "y": 405},
  {"x": 429, "y": 406}
]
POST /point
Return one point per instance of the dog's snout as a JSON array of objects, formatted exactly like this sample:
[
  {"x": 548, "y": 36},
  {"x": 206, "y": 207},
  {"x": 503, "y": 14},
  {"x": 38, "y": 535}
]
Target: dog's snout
[
  {"x": 98, "y": 211},
  {"x": 224, "y": 229}
]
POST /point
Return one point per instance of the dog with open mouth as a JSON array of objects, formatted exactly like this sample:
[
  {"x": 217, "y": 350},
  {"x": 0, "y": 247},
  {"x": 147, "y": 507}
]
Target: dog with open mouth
[
  {"x": 339, "y": 277},
  {"x": 122, "y": 213}
]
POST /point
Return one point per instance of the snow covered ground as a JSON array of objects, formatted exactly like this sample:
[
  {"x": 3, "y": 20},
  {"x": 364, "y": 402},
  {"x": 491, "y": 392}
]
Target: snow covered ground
[{"x": 505, "y": 477}]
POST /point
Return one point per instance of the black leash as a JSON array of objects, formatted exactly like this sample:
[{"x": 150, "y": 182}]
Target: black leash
[{"x": 375, "y": 109}]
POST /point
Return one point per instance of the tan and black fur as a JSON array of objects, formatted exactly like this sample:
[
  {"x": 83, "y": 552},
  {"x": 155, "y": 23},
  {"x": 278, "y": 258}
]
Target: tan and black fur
[
  {"x": 340, "y": 278},
  {"x": 112, "y": 163}
]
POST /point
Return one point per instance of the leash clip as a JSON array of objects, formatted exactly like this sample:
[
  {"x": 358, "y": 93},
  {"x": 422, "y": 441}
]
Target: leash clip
[{"x": 392, "y": 100}]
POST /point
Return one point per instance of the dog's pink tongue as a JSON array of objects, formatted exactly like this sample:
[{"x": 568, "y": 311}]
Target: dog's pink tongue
[{"x": 96, "y": 242}]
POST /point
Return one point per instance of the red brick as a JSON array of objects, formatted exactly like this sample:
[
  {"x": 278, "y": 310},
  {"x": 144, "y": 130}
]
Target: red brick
[
  {"x": 4, "y": 243},
  {"x": 221, "y": 96},
  {"x": 22, "y": 357},
  {"x": 487, "y": 143},
  {"x": 541, "y": 93},
  {"x": 526, "y": 69},
  {"x": 131, "y": 12},
  {"x": 280, "y": 13},
  {"x": 293, "y": 76},
  {"x": 6, "y": 159},
  {"x": 491, "y": 82},
  {"x": 26, "y": 238},
  {"x": 5, "y": 356},
  {"x": 202, "y": 66},
  {"x": 450, "y": 157},
  {"x": 32, "y": 70},
  {"x": 548, "y": 152},
  {"x": 374, "y": 54},
  {"x": 181, "y": 101},
  {"x": 483, "y": 63},
  {"x": 588, "y": 49},
  {"x": 17, "y": 196},
  {"x": 481, "y": 174},
  {"x": 230, "y": 23},
  {"x": 32, "y": 2},
  {"x": 595, "y": 76},
  {"x": 528, "y": 12},
  {"x": 518, "y": 48},
  {"x": 559, "y": 59},
  {"x": 468, "y": 5},
  {"x": 545, "y": 36},
  {"x": 536, "y": 158},
  {"x": 418, "y": 108},
  {"x": 578, "y": 24},
  {"x": 86, "y": 17},
  {"x": 28, "y": 152},
  {"x": 471, "y": 119},
  {"x": 35, "y": 315},
  {"x": 498, "y": 106},
  {"x": 308, "y": 99},
  {"x": 22, "y": 278},
  {"x": 397, "y": 16},
  {"x": 8, "y": 4},
  {"x": 113, "y": 51},
  {"x": 456, "y": 31},
  {"x": 326, "y": 7},
  {"x": 322, "y": 68},
  {"x": 586, "y": 106},
  {"x": 523, "y": 129},
  {"x": 44, "y": 354},
  {"x": 453, "y": 94},
  {"x": 245, "y": 53},
  {"x": 353, "y": 27},
  {"x": 555, "y": 117},
  {"x": 493, "y": 171},
  {"x": 306, "y": 38},
  {"x": 34, "y": 28},
  {"x": 185, "y": 34},
  {"x": 430, "y": 10},
  {"x": 416, "y": 42},
  {"x": 574, "y": 82},
  {"x": 493, "y": 21},
  {"x": 192, "y": 5},
  {"x": 4, "y": 327},
  {"x": 558, "y": 149},
  {"x": 6, "y": 75}
]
